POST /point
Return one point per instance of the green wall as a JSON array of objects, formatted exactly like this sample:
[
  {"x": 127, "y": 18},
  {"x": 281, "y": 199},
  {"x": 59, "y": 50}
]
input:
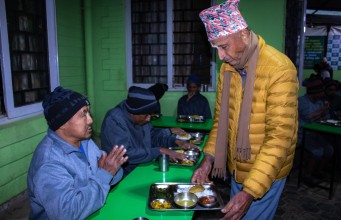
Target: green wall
[
  {"x": 109, "y": 56},
  {"x": 18, "y": 141}
]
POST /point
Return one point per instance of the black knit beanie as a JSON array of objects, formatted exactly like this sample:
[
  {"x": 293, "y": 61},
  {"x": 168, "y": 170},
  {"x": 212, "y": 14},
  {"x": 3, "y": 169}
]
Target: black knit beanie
[
  {"x": 141, "y": 101},
  {"x": 159, "y": 90},
  {"x": 60, "y": 105}
]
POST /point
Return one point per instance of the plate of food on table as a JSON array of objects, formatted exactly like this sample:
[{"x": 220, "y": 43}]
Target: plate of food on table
[
  {"x": 184, "y": 196},
  {"x": 191, "y": 118}
]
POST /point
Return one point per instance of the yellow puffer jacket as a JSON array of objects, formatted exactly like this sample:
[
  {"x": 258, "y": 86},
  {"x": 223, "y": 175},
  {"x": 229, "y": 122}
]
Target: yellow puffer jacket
[{"x": 273, "y": 122}]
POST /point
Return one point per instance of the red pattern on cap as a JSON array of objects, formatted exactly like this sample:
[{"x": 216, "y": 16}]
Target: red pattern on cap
[{"x": 222, "y": 20}]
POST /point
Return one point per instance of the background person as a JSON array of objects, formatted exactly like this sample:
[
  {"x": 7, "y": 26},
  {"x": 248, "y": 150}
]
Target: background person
[
  {"x": 193, "y": 103},
  {"x": 255, "y": 124},
  {"x": 312, "y": 107},
  {"x": 324, "y": 69},
  {"x": 69, "y": 176},
  {"x": 159, "y": 89},
  {"x": 333, "y": 98},
  {"x": 129, "y": 124}
]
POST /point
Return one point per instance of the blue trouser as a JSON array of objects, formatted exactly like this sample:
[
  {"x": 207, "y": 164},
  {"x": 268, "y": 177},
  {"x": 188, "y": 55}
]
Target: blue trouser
[{"x": 265, "y": 207}]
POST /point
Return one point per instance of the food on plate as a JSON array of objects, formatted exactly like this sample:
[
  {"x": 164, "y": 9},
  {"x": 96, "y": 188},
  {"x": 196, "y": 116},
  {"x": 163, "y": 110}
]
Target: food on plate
[
  {"x": 160, "y": 204},
  {"x": 185, "y": 203},
  {"x": 183, "y": 136},
  {"x": 186, "y": 200},
  {"x": 187, "y": 162},
  {"x": 208, "y": 201},
  {"x": 161, "y": 193},
  {"x": 197, "y": 188}
]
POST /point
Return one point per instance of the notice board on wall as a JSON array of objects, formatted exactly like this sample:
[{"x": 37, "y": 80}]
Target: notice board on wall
[
  {"x": 313, "y": 50},
  {"x": 315, "y": 41}
]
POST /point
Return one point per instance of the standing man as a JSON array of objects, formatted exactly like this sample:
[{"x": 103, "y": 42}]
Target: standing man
[
  {"x": 69, "y": 176},
  {"x": 255, "y": 124}
]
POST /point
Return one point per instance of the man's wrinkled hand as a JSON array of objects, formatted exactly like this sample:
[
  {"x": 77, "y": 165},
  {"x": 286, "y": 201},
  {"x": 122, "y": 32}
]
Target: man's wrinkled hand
[
  {"x": 237, "y": 206},
  {"x": 173, "y": 155},
  {"x": 200, "y": 175},
  {"x": 114, "y": 160}
]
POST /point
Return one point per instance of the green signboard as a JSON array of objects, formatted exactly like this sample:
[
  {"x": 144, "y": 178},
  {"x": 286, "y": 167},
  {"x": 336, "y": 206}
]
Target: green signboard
[{"x": 313, "y": 50}]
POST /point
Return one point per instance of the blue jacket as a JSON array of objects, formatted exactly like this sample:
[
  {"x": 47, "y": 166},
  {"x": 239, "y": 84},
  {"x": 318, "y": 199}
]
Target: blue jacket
[
  {"x": 63, "y": 183},
  {"x": 197, "y": 105},
  {"x": 142, "y": 143},
  {"x": 305, "y": 107}
]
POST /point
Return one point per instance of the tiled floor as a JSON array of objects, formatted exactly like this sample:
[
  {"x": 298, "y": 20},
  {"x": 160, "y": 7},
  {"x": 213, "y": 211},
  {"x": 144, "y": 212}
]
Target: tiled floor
[{"x": 299, "y": 204}]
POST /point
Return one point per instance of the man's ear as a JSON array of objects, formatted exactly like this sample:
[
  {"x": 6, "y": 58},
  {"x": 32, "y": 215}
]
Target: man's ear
[{"x": 244, "y": 34}]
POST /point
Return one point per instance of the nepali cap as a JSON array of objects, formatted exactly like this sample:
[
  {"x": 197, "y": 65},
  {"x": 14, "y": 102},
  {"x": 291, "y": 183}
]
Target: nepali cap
[{"x": 222, "y": 20}]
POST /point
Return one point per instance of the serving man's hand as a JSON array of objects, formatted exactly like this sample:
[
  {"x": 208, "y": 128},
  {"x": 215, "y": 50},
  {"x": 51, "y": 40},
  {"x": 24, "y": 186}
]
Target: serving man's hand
[
  {"x": 114, "y": 160},
  {"x": 200, "y": 175},
  {"x": 237, "y": 207}
]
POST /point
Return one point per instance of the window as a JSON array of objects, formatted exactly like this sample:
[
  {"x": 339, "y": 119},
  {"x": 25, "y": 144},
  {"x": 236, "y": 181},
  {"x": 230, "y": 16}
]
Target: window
[
  {"x": 28, "y": 49},
  {"x": 167, "y": 42}
]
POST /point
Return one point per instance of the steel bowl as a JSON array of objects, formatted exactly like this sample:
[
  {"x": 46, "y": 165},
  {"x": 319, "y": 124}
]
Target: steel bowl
[
  {"x": 192, "y": 153},
  {"x": 160, "y": 204},
  {"x": 197, "y": 135},
  {"x": 186, "y": 200},
  {"x": 208, "y": 201}
]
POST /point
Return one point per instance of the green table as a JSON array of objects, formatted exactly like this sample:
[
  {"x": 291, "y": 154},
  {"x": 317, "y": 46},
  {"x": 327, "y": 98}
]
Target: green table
[
  {"x": 171, "y": 122},
  {"x": 128, "y": 199},
  {"x": 327, "y": 129}
]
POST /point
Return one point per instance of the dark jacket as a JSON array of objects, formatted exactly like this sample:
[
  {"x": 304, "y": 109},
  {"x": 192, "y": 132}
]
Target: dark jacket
[
  {"x": 142, "y": 143},
  {"x": 197, "y": 105}
]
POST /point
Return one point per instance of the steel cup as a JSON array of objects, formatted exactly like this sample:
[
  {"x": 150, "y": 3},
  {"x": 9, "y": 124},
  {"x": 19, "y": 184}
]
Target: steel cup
[{"x": 164, "y": 163}]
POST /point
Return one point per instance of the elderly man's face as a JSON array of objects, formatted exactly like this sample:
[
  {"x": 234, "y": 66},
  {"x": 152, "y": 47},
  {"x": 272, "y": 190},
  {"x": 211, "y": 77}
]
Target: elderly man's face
[
  {"x": 78, "y": 128},
  {"x": 232, "y": 47}
]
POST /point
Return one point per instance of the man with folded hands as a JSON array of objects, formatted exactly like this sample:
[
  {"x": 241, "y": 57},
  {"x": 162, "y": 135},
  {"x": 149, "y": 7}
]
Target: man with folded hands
[{"x": 69, "y": 176}]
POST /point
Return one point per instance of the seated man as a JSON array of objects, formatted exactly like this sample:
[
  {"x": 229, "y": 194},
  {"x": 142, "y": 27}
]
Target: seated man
[
  {"x": 194, "y": 103},
  {"x": 334, "y": 99},
  {"x": 69, "y": 176},
  {"x": 313, "y": 108},
  {"x": 129, "y": 124},
  {"x": 159, "y": 90}
]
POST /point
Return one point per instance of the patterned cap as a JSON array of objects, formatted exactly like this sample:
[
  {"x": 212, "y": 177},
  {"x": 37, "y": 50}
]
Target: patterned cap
[{"x": 222, "y": 20}]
